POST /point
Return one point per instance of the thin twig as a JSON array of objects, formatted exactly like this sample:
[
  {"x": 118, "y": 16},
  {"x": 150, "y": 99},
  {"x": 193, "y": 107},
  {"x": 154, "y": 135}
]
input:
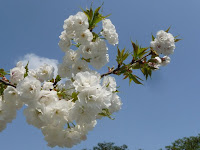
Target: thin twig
[
  {"x": 7, "y": 83},
  {"x": 119, "y": 66}
]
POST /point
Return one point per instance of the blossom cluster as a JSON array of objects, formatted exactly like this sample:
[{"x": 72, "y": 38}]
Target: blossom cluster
[
  {"x": 91, "y": 49},
  {"x": 66, "y": 110},
  {"x": 164, "y": 43},
  {"x": 64, "y": 120}
]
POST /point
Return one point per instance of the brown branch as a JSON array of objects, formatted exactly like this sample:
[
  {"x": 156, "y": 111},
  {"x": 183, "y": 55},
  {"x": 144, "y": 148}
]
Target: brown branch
[
  {"x": 111, "y": 72},
  {"x": 7, "y": 83},
  {"x": 133, "y": 62},
  {"x": 119, "y": 66}
]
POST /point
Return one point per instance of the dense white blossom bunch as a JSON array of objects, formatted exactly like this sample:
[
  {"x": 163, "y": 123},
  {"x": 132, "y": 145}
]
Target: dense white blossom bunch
[
  {"x": 65, "y": 112},
  {"x": 109, "y": 32},
  {"x": 64, "y": 120},
  {"x": 164, "y": 43},
  {"x": 94, "y": 50}
]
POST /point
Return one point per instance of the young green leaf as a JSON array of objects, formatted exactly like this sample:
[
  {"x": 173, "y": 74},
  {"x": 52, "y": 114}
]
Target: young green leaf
[
  {"x": 177, "y": 40},
  {"x": 3, "y": 73},
  {"x": 26, "y": 67},
  {"x": 75, "y": 96},
  {"x": 153, "y": 38},
  {"x": 168, "y": 29},
  {"x": 58, "y": 78},
  {"x": 135, "y": 49},
  {"x": 134, "y": 78},
  {"x": 106, "y": 113}
]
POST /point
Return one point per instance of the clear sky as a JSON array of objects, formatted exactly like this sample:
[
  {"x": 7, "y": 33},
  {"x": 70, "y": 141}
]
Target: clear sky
[{"x": 164, "y": 109}]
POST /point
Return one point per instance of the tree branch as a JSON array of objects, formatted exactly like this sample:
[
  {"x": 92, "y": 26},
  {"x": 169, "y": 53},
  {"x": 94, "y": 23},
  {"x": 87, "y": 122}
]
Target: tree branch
[
  {"x": 119, "y": 66},
  {"x": 7, "y": 83}
]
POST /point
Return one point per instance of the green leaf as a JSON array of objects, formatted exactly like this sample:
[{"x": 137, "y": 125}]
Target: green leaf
[
  {"x": 90, "y": 13},
  {"x": 138, "y": 78},
  {"x": 153, "y": 38},
  {"x": 108, "y": 84},
  {"x": 147, "y": 70},
  {"x": 106, "y": 113},
  {"x": 86, "y": 13},
  {"x": 95, "y": 36},
  {"x": 77, "y": 45},
  {"x": 75, "y": 96},
  {"x": 177, "y": 40},
  {"x": 2, "y": 88},
  {"x": 87, "y": 60},
  {"x": 3, "y": 73},
  {"x": 135, "y": 49},
  {"x": 168, "y": 29},
  {"x": 122, "y": 53},
  {"x": 142, "y": 51},
  {"x": 154, "y": 53},
  {"x": 97, "y": 19},
  {"x": 26, "y": 67},
  {"x": 136, "y": 66},
  {"x": 118, "y": 50},
  {"x": 58, "y": 78},
  {"x": 122, "y": 56},
  {"x": 96, "y": 12},
  {"x": 134, "y": 78}
]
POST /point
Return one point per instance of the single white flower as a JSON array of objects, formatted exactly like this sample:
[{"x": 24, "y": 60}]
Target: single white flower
[
  {"x": 7, "y": 111},
  {"x": 83, "y": 114},
  {"x": 11, "y": 96},
  {"x": 84, "y": 80},
  {"x": 71, "y": 57},
  {"x": 163, "y": 43},
  {"x": 54, "y": 135},
  {"x": 165, "y": 60},
  {"x": 87, "y": 50},
  {"x": 17, "y": 73},
  {"x": 80, "y": 22},
  {"x": 47, "y": 97},
  {"x": 80, "y": 66},
  {"x": 65, "y": 42},
  {"x": 83, "y": 37},
  {"x": 109, "y": 83},
  {"x": 109, "y": 32},
  {"x": 35, "y": 116},
  {"x": 64, "y": 70},
  {"x": 45, "y": 72},
  {"x": 29, "y": 89},
  {"x": 99, "y": 60},
  {"x": 115, "y": 103}
]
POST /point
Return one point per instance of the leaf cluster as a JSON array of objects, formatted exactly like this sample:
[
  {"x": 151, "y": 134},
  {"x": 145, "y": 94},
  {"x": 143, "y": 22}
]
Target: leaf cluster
[
  {"x": 109, "y": 146},
  {"x": 3, "y": 73},
  {"x": 26, "y": 68},
  {"x": 2, "y": 88},
  {"x": 186, "y": 143},
  {"x": 139, "y": 61},
  {"x": 94, "y": 17},
  {"x": 106, "y": 113}
]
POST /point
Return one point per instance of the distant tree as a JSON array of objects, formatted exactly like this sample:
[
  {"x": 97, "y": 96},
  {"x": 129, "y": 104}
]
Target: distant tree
[
  {"x": 186, "y": 143},
  {"x": 109, "y": 146}
]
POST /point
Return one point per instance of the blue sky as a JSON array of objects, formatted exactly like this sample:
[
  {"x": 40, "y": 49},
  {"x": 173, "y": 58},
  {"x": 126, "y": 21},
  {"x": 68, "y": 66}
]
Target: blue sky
[{"x": 164, "y": 109}]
